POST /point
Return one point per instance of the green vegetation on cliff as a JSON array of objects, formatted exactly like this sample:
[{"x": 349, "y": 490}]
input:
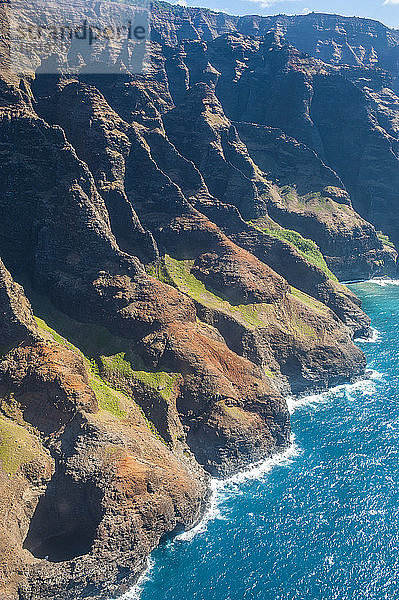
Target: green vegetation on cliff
[
  {"x": 385, "y": 239},
  {"x": 307, "y": 248},
  {"x": 107, "y": 397},
  {"x": 56, "y": 336},
  {"x": 93, "y": 339},
  {"x": 18, "y": 447},
  {"x": 251, "y": 316},
  {"x": 179, "y": 272},
  {"x": 309, "y": 301},
  {"x": 117, "y": 376},
  {"x": 164, "y": 383},
  {"x": 160, "y": 272}
]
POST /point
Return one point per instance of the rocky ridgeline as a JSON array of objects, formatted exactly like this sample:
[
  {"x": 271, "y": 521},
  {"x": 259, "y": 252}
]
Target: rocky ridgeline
[{"x": 180, "y": 237}]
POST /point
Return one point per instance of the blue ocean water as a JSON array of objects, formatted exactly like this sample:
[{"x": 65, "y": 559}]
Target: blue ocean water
[{"x": 322, "y": 523}]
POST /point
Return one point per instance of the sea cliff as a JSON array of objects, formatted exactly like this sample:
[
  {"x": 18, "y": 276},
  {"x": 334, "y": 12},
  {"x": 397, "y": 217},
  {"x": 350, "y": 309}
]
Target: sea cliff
[{"x": 171, "y": 248}]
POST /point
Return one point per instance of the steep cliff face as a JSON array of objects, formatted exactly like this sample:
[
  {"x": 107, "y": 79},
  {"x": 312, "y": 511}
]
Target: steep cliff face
[
  {"x": 17, "y": 321},
  {"x": 80, "y": 467},
  {"x": 263, "y": 172},
  {"x": 334, "y": 39},
  {"x": 255, "y": 72},
  {"x": 180, "y": 237}
]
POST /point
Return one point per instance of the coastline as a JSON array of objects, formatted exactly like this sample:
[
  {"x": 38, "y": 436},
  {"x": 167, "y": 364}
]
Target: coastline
[
  {"x": 223, "y": 488},
  {"x": 347, "y": 466}
]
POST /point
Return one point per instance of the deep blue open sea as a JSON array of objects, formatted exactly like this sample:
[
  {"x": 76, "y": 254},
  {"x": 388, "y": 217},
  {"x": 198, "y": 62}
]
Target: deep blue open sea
[{"x": 321, "y": 523}]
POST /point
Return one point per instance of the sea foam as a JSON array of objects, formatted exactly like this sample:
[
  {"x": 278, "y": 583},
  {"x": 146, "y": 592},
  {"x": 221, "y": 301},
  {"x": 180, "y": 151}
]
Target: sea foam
[
  {"x": 366, "y": 386},
  {"x": 223, "y": 489},
  {"x": 135, "y": 592},
  {"x": 383, "y": 281},
  {"x": 374, "y": 338}
]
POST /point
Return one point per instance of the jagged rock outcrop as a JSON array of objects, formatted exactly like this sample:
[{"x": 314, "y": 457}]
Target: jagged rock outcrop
[
  {"x": 17, "y": 323},
  {"x": 201, "y": 132},
  {"x": 313, "y": 201},
  {"x": 332, "y": 38},
  {"x": 77, "y": 476},
  {"x": 179, "y": 236},
  {"x": 285, "y": 180},
  {"x": 257, "y": 77}
]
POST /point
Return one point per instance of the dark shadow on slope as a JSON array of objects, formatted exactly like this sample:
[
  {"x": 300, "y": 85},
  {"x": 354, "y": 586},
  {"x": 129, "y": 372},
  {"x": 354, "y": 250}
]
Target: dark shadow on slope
[{"x": 65, "y": 521}]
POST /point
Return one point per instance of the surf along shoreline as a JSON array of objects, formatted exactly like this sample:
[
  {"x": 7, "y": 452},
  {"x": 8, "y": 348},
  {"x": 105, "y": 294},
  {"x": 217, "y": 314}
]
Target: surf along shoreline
[{"x": 222, "y": 488}]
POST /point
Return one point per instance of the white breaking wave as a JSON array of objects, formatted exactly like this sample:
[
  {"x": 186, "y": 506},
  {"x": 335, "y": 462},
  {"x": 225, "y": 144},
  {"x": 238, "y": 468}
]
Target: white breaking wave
[
  {"x": 365, "y": 385},
  {"x": 135, "y": 592},
  {"x": 374, "y": 375},
  {"x": 211, "y": 514},
  {"x": 383, "y": 281},
  {"x": 222, "y": 489},
  {"x": 375, "y": 337},
  {"x": 258, "y": 470},
  {"x": 311, "y": 400}
]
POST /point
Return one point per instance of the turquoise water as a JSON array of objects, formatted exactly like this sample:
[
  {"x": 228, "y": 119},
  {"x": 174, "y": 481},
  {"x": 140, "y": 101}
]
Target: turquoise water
[{"x": 323, "y": 524}]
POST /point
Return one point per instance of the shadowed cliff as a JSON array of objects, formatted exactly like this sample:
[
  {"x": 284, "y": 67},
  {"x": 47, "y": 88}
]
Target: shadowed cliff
[{"x": 180, "y": 236}]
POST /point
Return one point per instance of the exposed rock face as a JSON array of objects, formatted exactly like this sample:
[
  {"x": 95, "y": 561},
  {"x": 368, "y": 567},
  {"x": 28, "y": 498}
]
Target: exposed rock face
[
  {"x": 201, "y": 132},
  {"x": 314, "y": 202},
  {"x": 179, "y": 235},
  {"x": 108, "y": 478},
  {"x": 257, "y": 73},
  {"x": 285, "y": 180},
  {"x": 374, "y": 191},
  {"x": 17, "y": 322},
  {"x": 333, "y": 39}
]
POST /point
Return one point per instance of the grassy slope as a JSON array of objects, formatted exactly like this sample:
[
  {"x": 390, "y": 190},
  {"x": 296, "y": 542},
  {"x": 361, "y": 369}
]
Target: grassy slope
[
  {"x": 385, "y": 239},
  {"x": 18, "y": 447},
  {"x": 178, "y": 273},
  {"x": 110, "y": 399},
  {"x": 307, "y": 248}
]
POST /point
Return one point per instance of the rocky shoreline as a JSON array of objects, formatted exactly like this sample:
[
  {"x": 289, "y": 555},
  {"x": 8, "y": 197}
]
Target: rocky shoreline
[{"x": 171, "y": 248}]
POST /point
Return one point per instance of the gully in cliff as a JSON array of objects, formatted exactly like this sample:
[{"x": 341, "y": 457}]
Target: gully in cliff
[{"x": 174, "y": 226}]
